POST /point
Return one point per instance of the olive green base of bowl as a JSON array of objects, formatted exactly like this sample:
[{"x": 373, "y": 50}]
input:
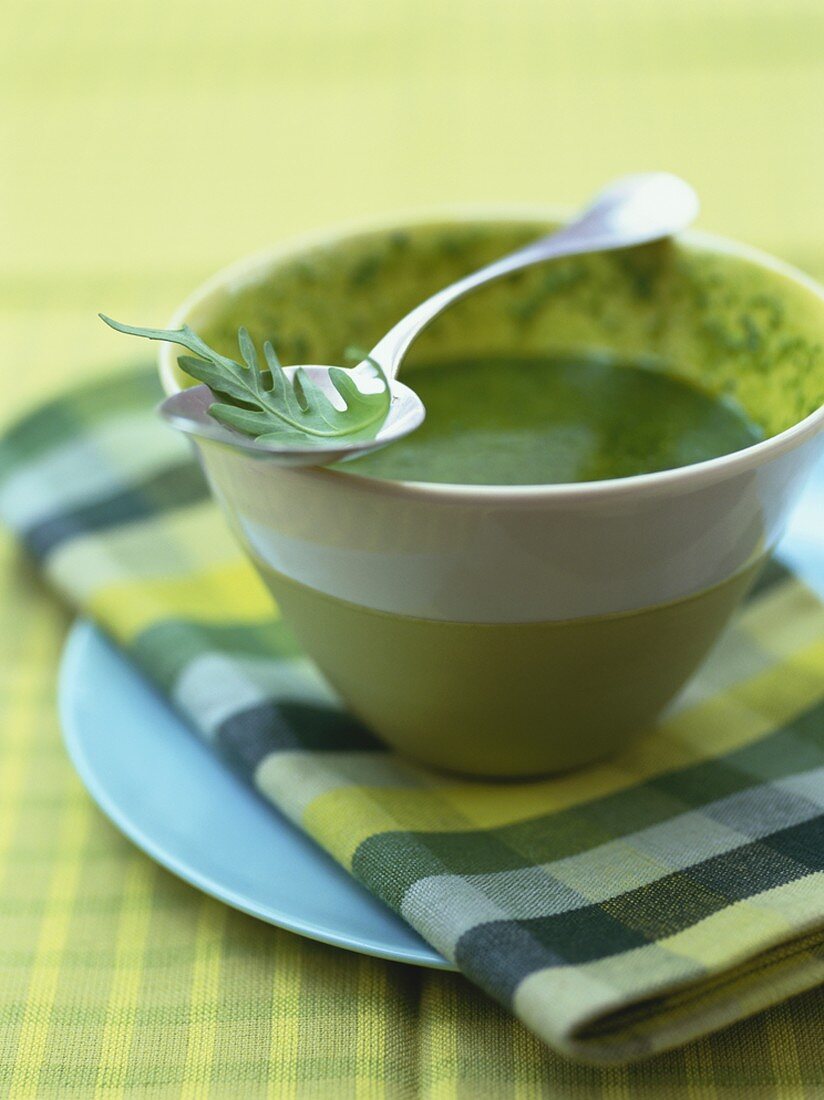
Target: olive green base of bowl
[{"x": 507, "y": 700}]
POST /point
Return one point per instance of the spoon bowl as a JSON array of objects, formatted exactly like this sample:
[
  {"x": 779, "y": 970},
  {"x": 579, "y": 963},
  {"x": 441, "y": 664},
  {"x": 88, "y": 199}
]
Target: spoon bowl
[{"x": 188, "y": 411}]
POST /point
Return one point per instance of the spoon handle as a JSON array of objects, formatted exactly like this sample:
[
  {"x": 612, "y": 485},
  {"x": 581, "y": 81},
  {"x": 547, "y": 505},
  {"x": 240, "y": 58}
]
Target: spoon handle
[{"x": 630, "y": 211}]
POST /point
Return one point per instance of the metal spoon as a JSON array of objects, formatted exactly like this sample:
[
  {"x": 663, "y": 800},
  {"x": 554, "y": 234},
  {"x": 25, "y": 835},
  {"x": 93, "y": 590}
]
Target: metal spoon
[{"x": 631, "y": 211}]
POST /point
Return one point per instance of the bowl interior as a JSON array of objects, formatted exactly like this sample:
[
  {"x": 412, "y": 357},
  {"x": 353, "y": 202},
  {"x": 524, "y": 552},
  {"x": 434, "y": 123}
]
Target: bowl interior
[{"x": 716, "y": 313}]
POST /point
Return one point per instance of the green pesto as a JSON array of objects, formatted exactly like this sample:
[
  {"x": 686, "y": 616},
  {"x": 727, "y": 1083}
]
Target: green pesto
[{"x": 556, "y": 419}]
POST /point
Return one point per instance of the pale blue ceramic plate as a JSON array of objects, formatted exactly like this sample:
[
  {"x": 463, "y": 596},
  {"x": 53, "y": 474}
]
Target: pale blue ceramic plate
[{"x": 174, "y": 798}]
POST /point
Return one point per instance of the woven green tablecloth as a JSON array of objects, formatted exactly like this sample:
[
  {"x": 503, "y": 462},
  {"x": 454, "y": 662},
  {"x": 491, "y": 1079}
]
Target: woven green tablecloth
[
  {"x": 145, "y": 145},
  {"x": 119, "y": 979}
]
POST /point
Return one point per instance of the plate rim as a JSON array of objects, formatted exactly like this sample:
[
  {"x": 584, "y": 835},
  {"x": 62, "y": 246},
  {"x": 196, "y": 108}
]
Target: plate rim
[{"x": 82, "y": 633}]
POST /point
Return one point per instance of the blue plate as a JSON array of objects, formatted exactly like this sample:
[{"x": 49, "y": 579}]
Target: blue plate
[
  {"x": 161, "y": 787},
  {"x": 172, "y": 796}
]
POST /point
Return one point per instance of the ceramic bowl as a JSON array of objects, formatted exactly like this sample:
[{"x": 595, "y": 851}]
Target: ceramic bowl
[{"x": 515, "y": 631}]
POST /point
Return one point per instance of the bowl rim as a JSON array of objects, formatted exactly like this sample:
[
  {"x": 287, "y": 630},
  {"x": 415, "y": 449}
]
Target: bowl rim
[{"x": 695, "y": 476}]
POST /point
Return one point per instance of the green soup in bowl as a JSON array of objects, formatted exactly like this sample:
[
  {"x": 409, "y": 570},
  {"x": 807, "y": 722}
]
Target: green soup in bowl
[
  {"x": 611, "y": 448},
  {"x": 557, "y": 418}
]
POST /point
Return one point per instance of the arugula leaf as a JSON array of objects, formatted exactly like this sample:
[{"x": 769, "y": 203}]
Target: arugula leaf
[{"x": 264, "y": 403}]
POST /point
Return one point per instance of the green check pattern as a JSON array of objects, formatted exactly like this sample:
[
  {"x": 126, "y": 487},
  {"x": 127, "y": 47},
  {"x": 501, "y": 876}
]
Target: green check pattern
[{"x": 618, "y": 912}]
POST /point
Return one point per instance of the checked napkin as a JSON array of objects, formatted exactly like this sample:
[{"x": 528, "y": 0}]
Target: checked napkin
[{"x": 618, "y": 911}]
